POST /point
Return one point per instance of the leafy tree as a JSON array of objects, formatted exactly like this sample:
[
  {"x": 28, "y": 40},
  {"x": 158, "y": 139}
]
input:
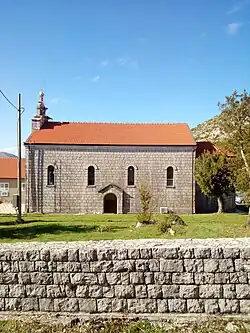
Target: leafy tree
[
  {"x": 235, "y": 126},
  {"x": 212, "y": 174},
  {"x": 147, "y": 204}
]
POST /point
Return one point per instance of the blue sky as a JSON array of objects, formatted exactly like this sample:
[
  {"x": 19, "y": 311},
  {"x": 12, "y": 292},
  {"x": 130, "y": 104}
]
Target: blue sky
[{"x": 121, "y": 61}]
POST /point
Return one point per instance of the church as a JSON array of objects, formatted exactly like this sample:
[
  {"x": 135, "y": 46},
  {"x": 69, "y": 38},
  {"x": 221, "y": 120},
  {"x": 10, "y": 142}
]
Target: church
[{"x": 95, "y": 168}]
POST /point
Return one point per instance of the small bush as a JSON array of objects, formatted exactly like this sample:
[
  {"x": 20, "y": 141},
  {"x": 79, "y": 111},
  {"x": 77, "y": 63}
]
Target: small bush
[
  {"x": 170, "y": 223},
  {"x": 104, "y": 228}
]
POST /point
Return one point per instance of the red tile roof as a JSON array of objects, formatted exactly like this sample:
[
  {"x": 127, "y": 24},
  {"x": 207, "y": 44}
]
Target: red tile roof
[
  {"x": 9, "y": 168},
  {"x": 113, "y": 134},
  {"x": 206, "y": 146}
]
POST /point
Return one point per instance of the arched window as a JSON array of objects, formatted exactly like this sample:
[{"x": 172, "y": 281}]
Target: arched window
[
  {"x": 91, "y": 175},
  {"x": 51, "y": 175},
  {"x": 131, "y": 176},
  {"x": 170, "y": 176}
]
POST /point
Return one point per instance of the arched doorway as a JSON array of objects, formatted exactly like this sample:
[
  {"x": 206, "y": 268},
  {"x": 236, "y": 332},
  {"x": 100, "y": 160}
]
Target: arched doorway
[{"x": 110, "y": 203}]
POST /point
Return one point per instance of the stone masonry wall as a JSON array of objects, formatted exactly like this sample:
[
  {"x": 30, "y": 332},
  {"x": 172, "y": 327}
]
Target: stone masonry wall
[
  {"x": 71, "y": 192},
  {"x": 144, "y": 276}
]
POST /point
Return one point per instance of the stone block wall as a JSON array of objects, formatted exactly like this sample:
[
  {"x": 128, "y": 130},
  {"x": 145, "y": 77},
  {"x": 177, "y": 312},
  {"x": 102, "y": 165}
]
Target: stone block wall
[
  {"x": 144, "y": 276},
  {"x": 71, "y": 192}
]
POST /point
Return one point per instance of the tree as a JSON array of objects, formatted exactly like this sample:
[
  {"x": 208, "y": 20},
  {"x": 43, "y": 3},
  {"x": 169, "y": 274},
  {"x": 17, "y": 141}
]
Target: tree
[
  {"x": 147, "y": 204},
  {"x": 235, "y": 126},
  {"x": 212, "y": 174}
]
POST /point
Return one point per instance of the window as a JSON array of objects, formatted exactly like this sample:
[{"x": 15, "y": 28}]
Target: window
[
  {"x": 51, "y": 175},
  {"x": 170, "y": 176},
  {"x": 131, "y": 176},
  {"x": 91, "y": 175},
  {"x": 4, "y": 187}
]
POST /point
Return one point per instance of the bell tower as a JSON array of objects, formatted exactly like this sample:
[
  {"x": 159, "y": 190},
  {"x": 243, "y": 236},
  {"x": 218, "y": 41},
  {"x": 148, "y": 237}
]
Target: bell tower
[{"x": 40, "y": 118}]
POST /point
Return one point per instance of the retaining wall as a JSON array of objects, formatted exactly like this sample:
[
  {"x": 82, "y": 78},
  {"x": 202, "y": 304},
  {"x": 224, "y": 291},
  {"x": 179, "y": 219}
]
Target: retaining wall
[{"x": 143, "y": 276}]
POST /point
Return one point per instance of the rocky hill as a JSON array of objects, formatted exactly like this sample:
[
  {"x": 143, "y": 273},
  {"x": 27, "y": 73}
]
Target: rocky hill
[
  {"x": 209, "y": 130},
  {"x": 4, "y": 154}
]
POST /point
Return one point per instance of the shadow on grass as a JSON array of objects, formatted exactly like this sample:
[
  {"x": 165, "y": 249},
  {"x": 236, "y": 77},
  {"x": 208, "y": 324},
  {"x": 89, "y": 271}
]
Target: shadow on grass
[
  {"x": 3, "y": 224},
  {"x": 29, "y": 232}
]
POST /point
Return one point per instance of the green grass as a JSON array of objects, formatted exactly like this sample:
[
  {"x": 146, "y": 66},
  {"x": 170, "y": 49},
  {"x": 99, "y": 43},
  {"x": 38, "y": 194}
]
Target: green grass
[
  {"x": 122, "y": 326},
  {"x": 45, "y": 228}
]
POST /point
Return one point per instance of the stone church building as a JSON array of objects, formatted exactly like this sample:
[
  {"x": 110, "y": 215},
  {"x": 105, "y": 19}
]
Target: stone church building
[{"x": 99, "y": 167}]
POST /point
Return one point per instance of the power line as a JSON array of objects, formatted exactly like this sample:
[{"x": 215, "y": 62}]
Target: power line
[
  {"x": 8, "y": 100},
  {"x": 22, "y": 109}
]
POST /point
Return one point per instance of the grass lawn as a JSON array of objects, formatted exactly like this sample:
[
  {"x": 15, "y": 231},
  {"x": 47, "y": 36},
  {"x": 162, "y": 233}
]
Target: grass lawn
[{"x": 45, "y": 228}]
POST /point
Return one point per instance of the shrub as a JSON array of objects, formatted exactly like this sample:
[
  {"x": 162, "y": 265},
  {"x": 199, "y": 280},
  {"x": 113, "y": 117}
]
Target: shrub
[
  {"x": 145, "y": 216},
  {"x": 170, "y": 223}
]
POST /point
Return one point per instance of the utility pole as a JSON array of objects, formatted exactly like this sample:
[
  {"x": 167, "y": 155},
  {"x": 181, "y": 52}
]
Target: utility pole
[{"x": 19, "y": 144}]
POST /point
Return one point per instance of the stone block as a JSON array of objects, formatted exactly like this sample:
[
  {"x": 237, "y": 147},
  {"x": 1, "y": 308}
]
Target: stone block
[
  {"x": 171, "y": 265},
  {"x": 211, "y": 306},
  {"x": 133, "y": 254},
  {"x": 229, "y": 291},
  {"x": 45, "y": 255},
  {"x": 36, "y": 291},
  {"x": 141, "y": 291},
  {"x": 245, "y": 306},
  {"x": 5, "y": 255},
  {"x": 217, "y": 253},
  {"x": 170, "y": 291},
  {"x": 83, "y": 278},
  {"x": 101, "y": 266},
  {"x": 73, "y": 255},
  {"x": 87, "y": 305},
  {"x": 13, "y": 304},
  {"x": 88, "y": 255},
  {"x": 189, "y": 291},
  {"x": 221, "y": 278},
  {"x": 226, "y": 265},
  {"x": 52, "y": 266},
  {"x": 82, "y": 291},
  {"x": 109, "y": 292},
  {"x": 55, "y": 291},
  {"x": 104, "y": 305},
  {"x": 195, "y": 306},
  {"x": 66, "y": 305},
  {"x": 101, "y": 277},
  {"x": 165, "y": 253},
  {"x": 136, "y": 278},
  {"x": 4, "y": 291},
  {"x": 59, "y": 255},
  {"x": 243, "y": 291},
  {"x": 105, "y": 254},
  {"x": 238, "y": 277},
  {"x": 17, "y": 255},
  {"x": 113, "y": 278},
  {"x": 231, "y": 306},
  {"x": 123, "y": 265},
  {"x": 124, "y": 291},
  {"x": 204, "y": 278},
  {"x": 119, "y": 305},
  {"x": 242, "y": 265},
  {"x": 193, "y": 265},
  {"x": 183, "y": 278},
  {"x": 32, "y": 255},
  {"x": 17, "y": 291},
  {"x": 8, "y": 278},
  {"x": 29, "y": 304},
  {"x": 210, "y": 291},
  {"x": 154, "y": 291},
  {"x": 61, "y": 278},
  {"x": 41, "y": 266},
  {"x": 177, "y": 305},
  {"x": 2, "y": 305},
  {"x": 41, "y": 278},
  {"x": 162, "y": 278},
  {"x": 186, "y": 253},
  {"x": 149, "y": 277},
  {"x": 202, "y": 253},
  {"x": 144, "y": 265},
  {"x": 120, "y": 254},
  {"x": 232, "y": 253},
  {"x": 27, "y": 266},
  {"x": 95, "y": 291},
  {"x": 24, "y": 278},
  {"x": 162, "y": 305},
  {"x": 142, "y": 305},
  {"x": 211, "y": 265},
  {"x": 245, "y": 253},
  {"x": 145, "y": 253}
]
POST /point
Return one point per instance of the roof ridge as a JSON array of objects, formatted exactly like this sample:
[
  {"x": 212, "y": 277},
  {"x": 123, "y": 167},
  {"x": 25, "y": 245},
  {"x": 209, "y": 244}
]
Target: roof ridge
[{"x": 115, "y": 123}]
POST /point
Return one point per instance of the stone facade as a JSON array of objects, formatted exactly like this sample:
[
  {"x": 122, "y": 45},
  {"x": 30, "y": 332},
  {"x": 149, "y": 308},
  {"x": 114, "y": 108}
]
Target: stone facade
[
  {"x": 71, "y": 192},
  {"x": 144, "y": 276}
]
